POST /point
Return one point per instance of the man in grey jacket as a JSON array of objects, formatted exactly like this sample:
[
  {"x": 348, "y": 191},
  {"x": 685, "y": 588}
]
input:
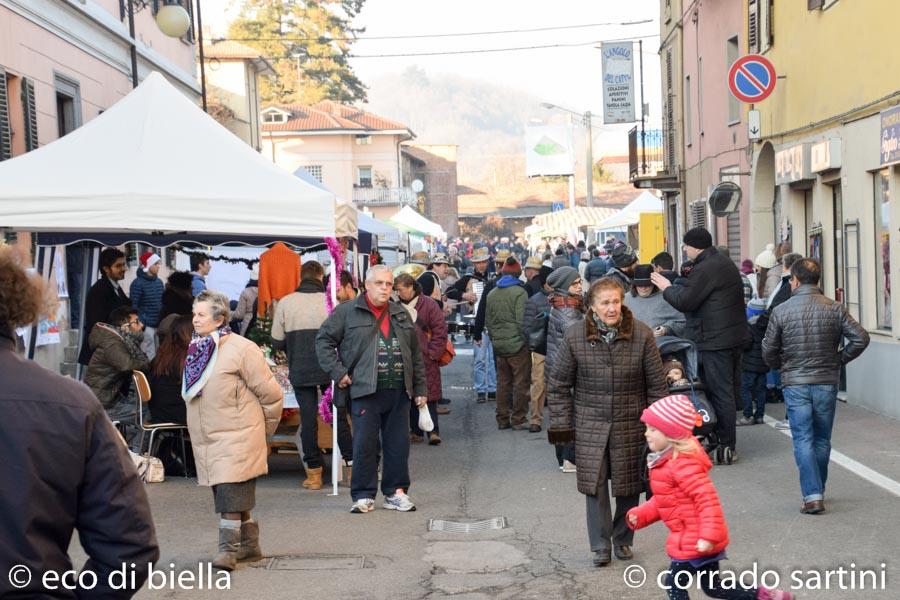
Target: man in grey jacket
[
  {"x": 802, "y": 340},
  {"x": 388, "y": 372}
]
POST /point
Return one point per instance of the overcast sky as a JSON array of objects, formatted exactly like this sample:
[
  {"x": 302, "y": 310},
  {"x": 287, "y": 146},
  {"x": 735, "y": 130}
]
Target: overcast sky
[{"x": 569, "y": 77}]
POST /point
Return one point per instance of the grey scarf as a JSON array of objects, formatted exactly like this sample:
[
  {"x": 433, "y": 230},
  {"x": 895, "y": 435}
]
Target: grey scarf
[
  {"x": 607, "y": 332},
  {"x": 654, "y": 457}
]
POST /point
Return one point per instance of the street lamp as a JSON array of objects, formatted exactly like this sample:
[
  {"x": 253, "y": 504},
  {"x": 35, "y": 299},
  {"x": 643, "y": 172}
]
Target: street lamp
[
  {"x": 586, "y": 121},
  {"x": 174, "y": 21}
]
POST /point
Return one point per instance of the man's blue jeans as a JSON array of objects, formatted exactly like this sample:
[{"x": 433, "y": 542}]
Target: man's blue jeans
[
  {"x": 484, "y": 374},
  {"x": 810, "y": 411}
]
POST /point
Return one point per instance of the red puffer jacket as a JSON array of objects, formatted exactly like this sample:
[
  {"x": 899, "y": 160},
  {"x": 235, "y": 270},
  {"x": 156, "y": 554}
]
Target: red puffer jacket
[{"x": 686, "y": 500}]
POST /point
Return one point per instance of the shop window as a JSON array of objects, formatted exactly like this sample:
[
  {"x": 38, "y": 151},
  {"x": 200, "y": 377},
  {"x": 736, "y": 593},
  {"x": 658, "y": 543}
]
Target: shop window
[{"x": 882, "y": 203}]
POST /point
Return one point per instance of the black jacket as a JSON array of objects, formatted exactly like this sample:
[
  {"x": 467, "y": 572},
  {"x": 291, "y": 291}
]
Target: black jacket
[
  {"x": 712, "y": 300},
  {"x": 537, "y": 307},
  {"x": 803, "y": 336},
  {"x": 102, "y": 299},
  {"x": 64, "y": 467},
  {"x": 752, "y": 361},
  {"x": 595, "y": 269},
  {"x": 167, "y": 405}
]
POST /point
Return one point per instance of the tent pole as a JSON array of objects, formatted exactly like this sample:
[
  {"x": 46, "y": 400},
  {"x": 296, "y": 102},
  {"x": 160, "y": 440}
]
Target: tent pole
[
  {"x": 335, "y": 447},
  {"x": 39, "y": 268}
]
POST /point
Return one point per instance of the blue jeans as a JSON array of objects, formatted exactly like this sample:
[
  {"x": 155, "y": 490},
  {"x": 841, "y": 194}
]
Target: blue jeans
[
  {"x": 810, "y": 411},
  {"x": 753, "y": 388},
  {"x": 484, "y": 373}
]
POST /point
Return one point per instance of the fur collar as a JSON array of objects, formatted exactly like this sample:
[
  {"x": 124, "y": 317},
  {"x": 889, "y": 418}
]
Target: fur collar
[{"x": 626, "y": 329}]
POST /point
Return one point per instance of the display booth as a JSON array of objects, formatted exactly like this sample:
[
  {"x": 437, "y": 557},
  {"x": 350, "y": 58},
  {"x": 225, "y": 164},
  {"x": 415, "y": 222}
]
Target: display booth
[{"x": 154, "y": 169}]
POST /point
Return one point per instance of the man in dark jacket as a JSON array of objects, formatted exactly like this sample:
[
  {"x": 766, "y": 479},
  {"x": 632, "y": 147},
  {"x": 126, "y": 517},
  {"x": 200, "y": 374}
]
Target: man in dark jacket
[
  {"x": 297, "y": 319},
  {"x": 388, "y": 373},
  {"x": 63, "y": 468},
  {"x": 624, "y": 260},
  {"x": 104, "y": 296},
  {"x": 116, "y": 348},
  {"x": 533, "y": 276},
  {"x": 596, "y": 268},
  {"x": 146, "y": 293},
  {"x": 803, "y": 339},
  {"x": 712, "y": 300},
  {"x": 504, "y": 316}
]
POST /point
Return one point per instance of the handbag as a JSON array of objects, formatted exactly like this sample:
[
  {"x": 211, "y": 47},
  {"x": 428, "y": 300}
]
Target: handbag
[
  {"x": 341, "y": 396},
  {"x": 448, "y": 355},
  {"x": 536, "y": 332},
  {"x": 149, "y": 468}
]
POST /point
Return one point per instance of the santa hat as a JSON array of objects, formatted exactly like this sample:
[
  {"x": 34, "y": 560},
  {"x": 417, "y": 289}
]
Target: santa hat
[
  {"x": 675, "y": 416},
  {"x": 148, "y": 259}
]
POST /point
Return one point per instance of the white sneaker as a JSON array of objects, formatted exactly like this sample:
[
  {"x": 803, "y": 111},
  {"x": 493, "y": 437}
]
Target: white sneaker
[
  {"x": 782, "y": 424},
  {"x": 363, "y": 505},
  {"x": 568, "y": 467},
  {"x": 399, "y": 501}
]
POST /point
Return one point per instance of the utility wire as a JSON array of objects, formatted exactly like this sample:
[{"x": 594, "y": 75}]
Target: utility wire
[
  {"x": 436, "y": 35},
  {"x": 474, "y": 51}
]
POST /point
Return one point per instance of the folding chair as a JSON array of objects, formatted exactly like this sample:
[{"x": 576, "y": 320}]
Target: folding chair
[{"x": 142, "y": 391}]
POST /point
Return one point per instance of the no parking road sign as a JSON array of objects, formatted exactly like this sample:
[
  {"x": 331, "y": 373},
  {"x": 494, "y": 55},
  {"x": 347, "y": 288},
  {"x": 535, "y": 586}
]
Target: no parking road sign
[{"x": 751, "y": 78}]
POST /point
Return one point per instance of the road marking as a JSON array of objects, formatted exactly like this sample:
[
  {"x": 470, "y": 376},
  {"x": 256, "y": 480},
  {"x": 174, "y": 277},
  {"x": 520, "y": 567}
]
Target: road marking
[
  {"x": 855, "y": 467},
  {"x": 465, "y": 352}
]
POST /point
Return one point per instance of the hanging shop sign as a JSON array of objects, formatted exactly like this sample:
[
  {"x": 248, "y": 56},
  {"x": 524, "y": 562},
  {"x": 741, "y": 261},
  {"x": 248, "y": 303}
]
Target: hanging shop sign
[
  {"x": 549, "y": 150},
  {"x": 618, "y": 82}
]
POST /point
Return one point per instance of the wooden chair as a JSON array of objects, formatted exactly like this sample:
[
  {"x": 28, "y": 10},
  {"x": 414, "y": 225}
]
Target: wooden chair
[{"x": 142, "y": 391}]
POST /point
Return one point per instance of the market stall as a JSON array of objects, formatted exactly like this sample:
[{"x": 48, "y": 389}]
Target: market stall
[{"x": 154, "y": 169}]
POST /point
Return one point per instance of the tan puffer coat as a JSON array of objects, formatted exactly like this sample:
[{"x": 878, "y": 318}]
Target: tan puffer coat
[
  {"x": 612, "y": 385},
  {"x": 239, "y": 406}
]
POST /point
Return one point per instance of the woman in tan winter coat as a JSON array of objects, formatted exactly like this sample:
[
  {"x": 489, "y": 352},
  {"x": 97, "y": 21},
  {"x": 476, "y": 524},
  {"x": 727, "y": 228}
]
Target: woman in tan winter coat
[{"x": 233, "y": 402}]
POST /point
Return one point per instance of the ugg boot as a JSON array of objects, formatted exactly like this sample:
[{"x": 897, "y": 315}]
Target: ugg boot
[
  {"x": 229, "y": 544},
  {"x": 250, "y": 550},
  {"x": 313, "y": 478}
]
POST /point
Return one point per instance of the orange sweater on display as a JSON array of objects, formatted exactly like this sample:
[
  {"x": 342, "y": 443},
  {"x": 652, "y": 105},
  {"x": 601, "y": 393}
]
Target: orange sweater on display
[{"x": 279, "y": 275}]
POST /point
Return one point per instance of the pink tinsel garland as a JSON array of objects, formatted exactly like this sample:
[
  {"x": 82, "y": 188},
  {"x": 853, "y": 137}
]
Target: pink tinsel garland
[{"x": 337, "y": 257}]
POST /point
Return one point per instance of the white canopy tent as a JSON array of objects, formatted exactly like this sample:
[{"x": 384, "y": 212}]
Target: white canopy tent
[
  {"x": 155, "y": 168},
  {"x": 631, "y": 214},
  {"x": 410, "y": 221},
  {"x": 388, "y": 237}
]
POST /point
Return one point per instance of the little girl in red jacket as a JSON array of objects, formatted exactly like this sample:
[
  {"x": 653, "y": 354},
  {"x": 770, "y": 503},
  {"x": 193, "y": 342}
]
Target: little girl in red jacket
[{"x": 686, "y": 500}]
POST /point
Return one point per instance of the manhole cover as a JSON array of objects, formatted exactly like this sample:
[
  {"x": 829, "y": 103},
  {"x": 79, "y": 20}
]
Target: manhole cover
[
  {"x": 449, "y": 526},
  {"x": 316, "y": 563}
]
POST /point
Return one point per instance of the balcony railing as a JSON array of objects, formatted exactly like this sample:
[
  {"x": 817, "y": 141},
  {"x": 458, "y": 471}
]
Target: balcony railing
[
  {"x": 646, "y": 153},
  {"x": 384, "y": 196}
]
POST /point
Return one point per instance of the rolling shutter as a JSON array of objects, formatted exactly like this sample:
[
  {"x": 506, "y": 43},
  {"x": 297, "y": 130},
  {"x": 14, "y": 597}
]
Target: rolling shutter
[{"x": 753, "y": 25}]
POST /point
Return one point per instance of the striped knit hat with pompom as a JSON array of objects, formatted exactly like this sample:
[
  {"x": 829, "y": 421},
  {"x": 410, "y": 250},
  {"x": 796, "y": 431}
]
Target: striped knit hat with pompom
[{"x": 675, "y": 416}]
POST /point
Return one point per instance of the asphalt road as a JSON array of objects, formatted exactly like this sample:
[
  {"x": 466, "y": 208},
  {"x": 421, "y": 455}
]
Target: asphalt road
[{"x": 317, "y": 549}]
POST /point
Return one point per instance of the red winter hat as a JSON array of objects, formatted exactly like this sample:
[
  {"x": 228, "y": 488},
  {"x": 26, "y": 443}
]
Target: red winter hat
[
  {"x": 148, "y": 259},
  {"x": 511, "y": 267},
  {"x": 675, "y": 416}
]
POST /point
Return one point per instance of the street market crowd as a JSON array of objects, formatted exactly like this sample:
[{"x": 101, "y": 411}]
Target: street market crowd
[{"x": 646, "y": 374}]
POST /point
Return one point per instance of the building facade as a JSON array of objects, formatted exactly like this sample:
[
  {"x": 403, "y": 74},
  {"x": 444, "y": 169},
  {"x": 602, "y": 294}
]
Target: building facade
[
  {"x": 356, "y": 154},
  {"x": 824, "y": 173},
  {"x": 232, "y": 82},
  {"x": 434, "y": 165}
]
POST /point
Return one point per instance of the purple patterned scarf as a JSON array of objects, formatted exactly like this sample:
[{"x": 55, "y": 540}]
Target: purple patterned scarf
[{"x": 201, "y": 357}]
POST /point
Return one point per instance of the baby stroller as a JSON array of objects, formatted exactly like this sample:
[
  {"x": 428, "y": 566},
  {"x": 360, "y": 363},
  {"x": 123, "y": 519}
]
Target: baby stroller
[{"x": 683, "y": 351}]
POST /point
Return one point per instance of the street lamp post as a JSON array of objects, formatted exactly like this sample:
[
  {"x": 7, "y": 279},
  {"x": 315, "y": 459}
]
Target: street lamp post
[{"x": 589, "y": 162}]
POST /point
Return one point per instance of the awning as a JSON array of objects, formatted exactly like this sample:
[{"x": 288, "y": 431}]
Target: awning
[
  {"x": 410, "y": 221},
  {"x": 562, "y": 222}
]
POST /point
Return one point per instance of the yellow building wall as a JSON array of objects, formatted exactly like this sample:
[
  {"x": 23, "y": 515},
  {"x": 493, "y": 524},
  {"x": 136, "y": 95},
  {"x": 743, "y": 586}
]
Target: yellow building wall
[{"x": 832, "y": 61}]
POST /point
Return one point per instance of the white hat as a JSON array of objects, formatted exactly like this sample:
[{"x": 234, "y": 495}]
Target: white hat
[{"x": 766, "y": 258}]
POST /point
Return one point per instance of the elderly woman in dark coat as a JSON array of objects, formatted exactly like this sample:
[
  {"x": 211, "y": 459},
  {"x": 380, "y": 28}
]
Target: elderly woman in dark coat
[
  {"x": 431, "y": 329},
  {"x": 604, "y": 375}
]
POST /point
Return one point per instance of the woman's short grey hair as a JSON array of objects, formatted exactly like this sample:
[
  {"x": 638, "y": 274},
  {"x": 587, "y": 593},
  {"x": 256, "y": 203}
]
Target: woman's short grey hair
[
  {"x": 375, "y": 270},
  {"x": 218, "y": 303}
]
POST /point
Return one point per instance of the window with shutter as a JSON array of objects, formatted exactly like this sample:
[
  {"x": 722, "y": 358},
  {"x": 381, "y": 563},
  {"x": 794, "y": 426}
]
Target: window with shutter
[
  {"x": 770, "y": 25},
  {"x": 669, "y": 116},
  {"x": 753, "y": 25},
  {"x": 698, "y": 214},
  {"x": 30, "y": 108},
  {"x": 5, "y": 133}
]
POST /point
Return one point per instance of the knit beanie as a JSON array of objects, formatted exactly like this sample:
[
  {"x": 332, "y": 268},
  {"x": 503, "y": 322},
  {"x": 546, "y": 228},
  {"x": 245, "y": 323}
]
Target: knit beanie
[
  {"x": 561, "y": 279},
  {"x": 698, "y": 238},
  {"x": 746, "y": 266},
  {"x": 148, "y": 259},
  {"x": 512, "y": 267},
  {"x": 674, "y": 416},
  {"x": 673, "y": 364},
  {"x": 623, "y": 255},
  {"x": 766, "y": 258}
]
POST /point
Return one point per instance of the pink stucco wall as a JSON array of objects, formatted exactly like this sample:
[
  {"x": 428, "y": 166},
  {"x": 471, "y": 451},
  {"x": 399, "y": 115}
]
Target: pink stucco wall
[{"x": 717, "y": 142}]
